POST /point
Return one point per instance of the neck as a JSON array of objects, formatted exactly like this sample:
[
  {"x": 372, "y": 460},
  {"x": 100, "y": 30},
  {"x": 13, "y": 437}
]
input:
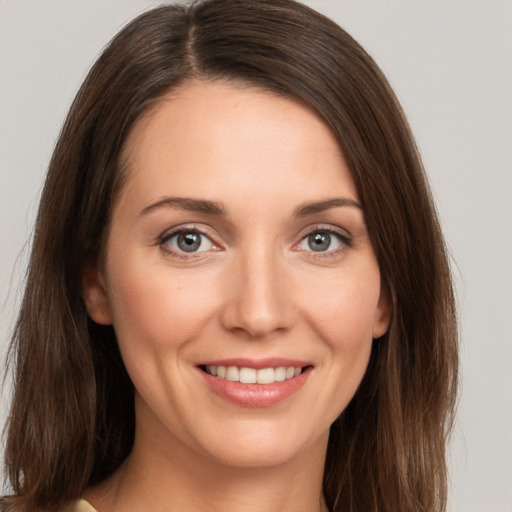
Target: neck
[{"x": 164, "y": 474}]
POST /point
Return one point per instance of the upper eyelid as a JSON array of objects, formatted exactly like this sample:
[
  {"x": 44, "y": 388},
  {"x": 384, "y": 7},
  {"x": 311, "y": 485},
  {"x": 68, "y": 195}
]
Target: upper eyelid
[
  {"x": 169, "y": 233},
  {"x": 165, "y": 238},
  {"x": 330, "y": 228},
  {"x": 211, "y": 235},
  {"x": 345, "y": 238},
  {"x": 220, "y": 233}
]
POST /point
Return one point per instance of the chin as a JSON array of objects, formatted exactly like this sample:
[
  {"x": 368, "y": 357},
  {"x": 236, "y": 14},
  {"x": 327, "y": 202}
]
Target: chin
[
  {"x": 256, "y": 456},
  {"x": 259, "y": 446}
]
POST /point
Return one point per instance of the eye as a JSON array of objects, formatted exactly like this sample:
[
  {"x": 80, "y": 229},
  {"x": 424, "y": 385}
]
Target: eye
[
  {"x": 323, "y": 240},
  {"x": 188, "y": 241}
]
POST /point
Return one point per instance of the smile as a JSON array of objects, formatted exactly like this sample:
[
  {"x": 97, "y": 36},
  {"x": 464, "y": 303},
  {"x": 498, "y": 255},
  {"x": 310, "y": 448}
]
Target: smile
[
  {"x": 247, "y": 375},
  {"x": 255, "y": 383}
]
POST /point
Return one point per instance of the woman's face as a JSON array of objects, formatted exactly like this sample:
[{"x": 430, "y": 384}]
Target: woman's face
[{"x": 238, "y": 248}]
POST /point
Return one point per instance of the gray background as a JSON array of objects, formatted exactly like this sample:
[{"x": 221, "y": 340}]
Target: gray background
[{"x": 450, "y": 64}]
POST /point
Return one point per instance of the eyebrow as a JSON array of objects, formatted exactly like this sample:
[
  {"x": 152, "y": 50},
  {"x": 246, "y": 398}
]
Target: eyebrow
[
  {"x": 186, "y": 203},
  {"x": 215, "y": 208},
  {"x": 313, "y": 207}
]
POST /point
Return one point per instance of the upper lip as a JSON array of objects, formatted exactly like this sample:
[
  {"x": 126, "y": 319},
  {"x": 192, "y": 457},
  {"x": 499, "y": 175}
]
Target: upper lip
[{"x": 257, "y": 364}]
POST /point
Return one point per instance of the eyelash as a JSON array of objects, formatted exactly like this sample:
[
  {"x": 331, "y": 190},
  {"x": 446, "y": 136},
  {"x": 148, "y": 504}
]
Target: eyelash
[
  {"x": 343, "y": 237},
  {"x": 167, "y": 237}
]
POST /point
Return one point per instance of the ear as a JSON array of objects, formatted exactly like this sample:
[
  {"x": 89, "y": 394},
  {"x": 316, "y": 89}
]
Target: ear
[
  {"x": 383, "y": 311},
  {"x": 94, "y": 293}
]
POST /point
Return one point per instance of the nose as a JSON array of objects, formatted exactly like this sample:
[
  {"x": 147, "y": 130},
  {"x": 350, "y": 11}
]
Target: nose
[{"x": 259, "y": 301}]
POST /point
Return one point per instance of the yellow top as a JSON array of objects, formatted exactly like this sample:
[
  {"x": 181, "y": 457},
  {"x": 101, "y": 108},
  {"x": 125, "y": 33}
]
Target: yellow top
[{"x": 82, "y": 506}]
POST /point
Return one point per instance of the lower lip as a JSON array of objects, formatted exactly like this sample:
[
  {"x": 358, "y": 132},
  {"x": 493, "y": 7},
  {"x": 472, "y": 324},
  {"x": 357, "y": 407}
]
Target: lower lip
[{"x": 256, "y": 395}]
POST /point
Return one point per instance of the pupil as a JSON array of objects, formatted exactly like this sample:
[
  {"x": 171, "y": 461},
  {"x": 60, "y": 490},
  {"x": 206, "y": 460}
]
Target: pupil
[
  {"x": 189, "y": 242},
  {"x": 319, "y": 241}
]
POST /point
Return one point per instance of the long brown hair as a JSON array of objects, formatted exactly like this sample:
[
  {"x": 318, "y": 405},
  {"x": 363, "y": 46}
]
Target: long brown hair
[{"x": 72, "y": 418}]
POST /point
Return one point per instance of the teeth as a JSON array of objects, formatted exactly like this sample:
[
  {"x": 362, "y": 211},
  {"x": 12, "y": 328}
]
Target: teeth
[
  {"x": 248, "y": 375},
  {"x": 265, "y": 376},
  {"x": 232, "y": 373},
  {"x": 280, "y": 374},
  {"x": 252, "y": 376}
]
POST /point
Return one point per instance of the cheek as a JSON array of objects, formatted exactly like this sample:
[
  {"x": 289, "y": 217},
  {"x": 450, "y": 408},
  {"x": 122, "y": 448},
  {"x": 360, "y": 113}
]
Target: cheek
[
  {"x": 159, "y": 307},
  {"x": 344, "y": 310},
  {"x": 341, "y": 312}
]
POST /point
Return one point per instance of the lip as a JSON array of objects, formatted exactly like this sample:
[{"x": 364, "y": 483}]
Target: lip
[
  {"x": 257, "y": 364},
  {"x": 256, "y": 395}
]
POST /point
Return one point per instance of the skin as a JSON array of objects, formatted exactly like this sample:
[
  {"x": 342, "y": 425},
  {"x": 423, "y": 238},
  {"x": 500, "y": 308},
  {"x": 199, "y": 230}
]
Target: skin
[{"x": 255, "y": 289}]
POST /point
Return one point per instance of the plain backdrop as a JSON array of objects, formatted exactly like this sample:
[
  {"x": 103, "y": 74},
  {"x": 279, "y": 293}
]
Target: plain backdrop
[{"x": 450, "y": 64}]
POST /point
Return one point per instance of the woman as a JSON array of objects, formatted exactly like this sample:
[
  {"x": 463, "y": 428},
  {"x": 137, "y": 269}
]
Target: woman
[{"x": 238, "y": 294}]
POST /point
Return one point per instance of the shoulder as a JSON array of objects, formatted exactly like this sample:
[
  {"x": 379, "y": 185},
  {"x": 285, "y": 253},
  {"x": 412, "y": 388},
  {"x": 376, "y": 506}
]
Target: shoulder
[{"x": 81, "y": 506}]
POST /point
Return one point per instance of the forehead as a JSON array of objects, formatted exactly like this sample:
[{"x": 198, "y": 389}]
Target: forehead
[{"x": 212, "y": 137}]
